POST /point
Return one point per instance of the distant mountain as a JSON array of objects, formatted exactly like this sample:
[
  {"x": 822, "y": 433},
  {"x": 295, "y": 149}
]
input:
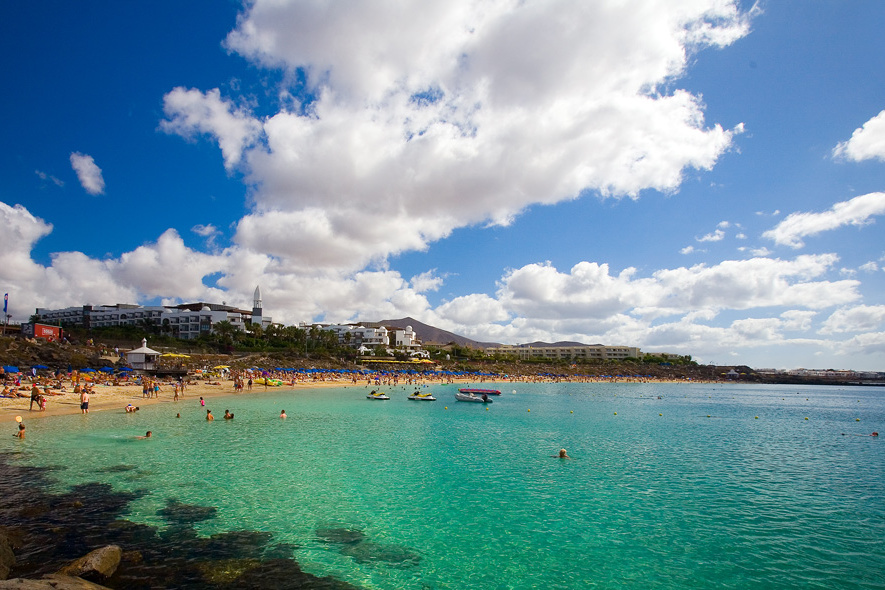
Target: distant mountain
[{"x": 430, "y": 335}]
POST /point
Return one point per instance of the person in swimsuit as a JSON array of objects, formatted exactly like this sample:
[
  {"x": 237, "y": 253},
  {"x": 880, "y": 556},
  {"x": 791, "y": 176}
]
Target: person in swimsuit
[{"x": 209, "y": 415}]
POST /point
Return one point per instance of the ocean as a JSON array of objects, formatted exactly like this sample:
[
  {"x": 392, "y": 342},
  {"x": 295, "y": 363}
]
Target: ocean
[{"x": 670, "y": 486}]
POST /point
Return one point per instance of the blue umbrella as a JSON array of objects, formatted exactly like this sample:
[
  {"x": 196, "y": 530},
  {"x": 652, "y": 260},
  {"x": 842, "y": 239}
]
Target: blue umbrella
[
  {"x": 10, "y": 369},
  {"x": 39, "y": 367},
  {"x": 107, "y": 369},
  {"x": 126, "y": 369},
  {"x": 87, "y": 370}
]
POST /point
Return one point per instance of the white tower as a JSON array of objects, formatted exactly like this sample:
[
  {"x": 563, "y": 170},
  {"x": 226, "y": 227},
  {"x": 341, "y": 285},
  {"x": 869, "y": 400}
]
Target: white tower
[{"x": 256, "y": 306}]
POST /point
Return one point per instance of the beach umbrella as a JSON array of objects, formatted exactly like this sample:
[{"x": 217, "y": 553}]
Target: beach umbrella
[
  {"x": 87, "y": 370},
  {"x": 107, "y": 369},
  {"x": 39, "y": 367},
  {"x": 125, "y": 369},
  {"x": 10, "y": 369}
]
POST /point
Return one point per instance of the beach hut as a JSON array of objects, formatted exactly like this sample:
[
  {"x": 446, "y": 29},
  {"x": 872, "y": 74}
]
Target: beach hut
[{"x": 143, "y": 358}]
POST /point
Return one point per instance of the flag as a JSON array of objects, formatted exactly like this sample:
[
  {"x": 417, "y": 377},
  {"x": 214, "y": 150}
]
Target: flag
[{"x": 5, "y": 301}]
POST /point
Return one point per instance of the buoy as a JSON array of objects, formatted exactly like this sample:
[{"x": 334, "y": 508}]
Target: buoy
[
  {"x": 660, "y": 414},
  {"x": 571, "y": 411},
  {"x": 447, "y": 407},
  {"x": 708, "y": 415},
  {"x": 755, "y": 417},
  {"x": 806, "y": 417},
  {"x": 528, "y": 410},
  {"x": 487, "y": 408},
  {"x": 616, "y": 413},
  {"x": 857, "y": 419}
]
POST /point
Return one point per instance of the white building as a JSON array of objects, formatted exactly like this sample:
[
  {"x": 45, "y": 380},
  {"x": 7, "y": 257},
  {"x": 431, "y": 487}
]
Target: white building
[
  {"x": 186, "y": 321},
  {"x": 366, "y": 339},
  {"x": 580, "y": 352}
]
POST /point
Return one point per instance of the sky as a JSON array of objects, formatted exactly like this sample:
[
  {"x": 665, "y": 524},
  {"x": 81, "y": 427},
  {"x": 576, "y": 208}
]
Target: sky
[{"x": 701, "y": 177}]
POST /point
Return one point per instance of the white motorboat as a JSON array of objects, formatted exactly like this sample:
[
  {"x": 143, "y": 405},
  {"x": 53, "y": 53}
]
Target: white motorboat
[
  {"x": 470, "y": 397},
  {"x": 377, "y": 395}
]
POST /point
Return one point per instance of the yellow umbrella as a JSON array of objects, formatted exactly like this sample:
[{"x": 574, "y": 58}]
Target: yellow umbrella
[{"x": 222, "y": 367}]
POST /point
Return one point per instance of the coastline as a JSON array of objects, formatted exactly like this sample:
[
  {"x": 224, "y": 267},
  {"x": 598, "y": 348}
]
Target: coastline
[{"x": 116, "y": 397}]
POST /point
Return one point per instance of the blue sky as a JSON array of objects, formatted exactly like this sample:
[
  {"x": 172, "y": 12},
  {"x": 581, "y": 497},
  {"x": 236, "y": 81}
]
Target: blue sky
[{"x": 703, "y": 177}]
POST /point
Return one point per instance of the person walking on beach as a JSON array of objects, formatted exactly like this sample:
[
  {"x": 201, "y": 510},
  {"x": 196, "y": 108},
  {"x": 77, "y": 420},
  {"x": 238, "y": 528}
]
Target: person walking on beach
[
  {"x": 35, "y": 397},
  {"x": 84, "y": 401}
]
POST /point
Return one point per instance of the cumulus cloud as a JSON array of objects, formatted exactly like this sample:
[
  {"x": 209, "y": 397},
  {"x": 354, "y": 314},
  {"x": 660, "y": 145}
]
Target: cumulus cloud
[
  {"x": 715, "y": 236},
  {"x": 88, "y": 173},
  {"x": 857, "y": 212},
  {"x": 861, "y": 318},
  {"x": 191, "y": 112},
  {"x": 469, "y": 115},
  {"x": 867, "y": 142}
]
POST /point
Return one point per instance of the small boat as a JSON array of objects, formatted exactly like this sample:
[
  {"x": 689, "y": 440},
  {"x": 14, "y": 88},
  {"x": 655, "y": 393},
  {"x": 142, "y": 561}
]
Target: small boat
[
  {"x": 480, "y": 391},
  {"x": 425, "y": 397},
  {"x": 377, "y": 395},
  {"x": 471, "y": 397}
]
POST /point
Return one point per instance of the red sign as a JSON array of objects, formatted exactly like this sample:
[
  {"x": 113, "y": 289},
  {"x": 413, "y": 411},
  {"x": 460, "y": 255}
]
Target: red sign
[{"x": 50, "y": 333}]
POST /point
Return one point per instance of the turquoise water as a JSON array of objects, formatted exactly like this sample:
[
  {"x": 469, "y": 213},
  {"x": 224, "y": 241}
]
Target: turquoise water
[{"x": 687, "y": 491}]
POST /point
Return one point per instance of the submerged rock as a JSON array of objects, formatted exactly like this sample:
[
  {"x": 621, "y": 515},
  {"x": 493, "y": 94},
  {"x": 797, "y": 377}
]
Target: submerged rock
[
  {"x": 341, "y": 536},
  {"x": 177, "y": 512},
  {"x": 395, "y": 555}
]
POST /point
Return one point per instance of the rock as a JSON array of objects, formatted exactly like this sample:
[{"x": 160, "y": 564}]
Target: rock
[
  {"x": 96, "y": 566},
  {"x": 7, "y": 557},
  {"x": 50, "y": 582}
]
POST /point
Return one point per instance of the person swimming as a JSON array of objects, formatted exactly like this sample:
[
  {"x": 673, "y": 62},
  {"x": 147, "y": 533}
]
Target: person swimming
[
  {"x": 228, "y": 415},
  {"x": 283, "y": 414},
  {"x": 209, "y": 415},
  {"x": 561, "y": 455}
]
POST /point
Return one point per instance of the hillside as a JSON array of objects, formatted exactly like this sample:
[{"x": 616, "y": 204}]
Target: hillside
[{"x": 430, "y": 335}]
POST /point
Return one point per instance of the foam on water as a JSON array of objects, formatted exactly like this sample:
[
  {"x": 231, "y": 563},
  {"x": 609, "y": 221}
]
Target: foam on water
[{"x": 691, "y": 490}]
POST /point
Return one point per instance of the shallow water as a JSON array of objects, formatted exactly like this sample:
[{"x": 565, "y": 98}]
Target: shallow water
[{"x": 690, "y": 490}]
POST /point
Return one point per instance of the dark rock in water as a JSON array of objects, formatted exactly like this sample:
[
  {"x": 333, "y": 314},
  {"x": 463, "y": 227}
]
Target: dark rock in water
[
  {"x": 395, "y": 555},
  {"x": 280, "y": 551},
  {"x": 341, "y": 536},
  {"x": 284, "y": 574},
  {"x": 176, "y": 512},
  {"x": 116, "y": 469},
  {"x": 96, "y": 566},
  {"x": 237, "y": 544},
  {"x": 225, "y": 571}
]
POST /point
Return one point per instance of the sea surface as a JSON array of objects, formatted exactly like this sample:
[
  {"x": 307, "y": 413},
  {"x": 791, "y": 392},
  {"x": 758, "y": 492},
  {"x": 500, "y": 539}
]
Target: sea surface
[{"x": 670, "y": 486}]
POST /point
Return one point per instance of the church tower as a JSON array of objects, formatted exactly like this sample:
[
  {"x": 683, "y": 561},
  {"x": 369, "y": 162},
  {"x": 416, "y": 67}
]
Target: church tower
[{"x": 256, "y": 307}]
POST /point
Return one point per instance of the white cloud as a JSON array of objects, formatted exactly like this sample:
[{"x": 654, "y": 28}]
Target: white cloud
[
  {"x": 870, "y": 266},
  {"x": 861, "y": 318},
  {"x": 866, "y": 142},
  {"x": 687, "y": 250},
  {"x": 192, "y": 112},
  {"x": 88, "y": 173},
  {"x": 715, "y": 236},
  {"x": 43, "y": 176},
  {"x": 469, "y": 115},
  {"x": 857, "y": 212}
]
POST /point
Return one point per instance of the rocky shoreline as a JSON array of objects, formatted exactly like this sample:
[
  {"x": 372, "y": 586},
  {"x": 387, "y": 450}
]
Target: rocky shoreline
[{"x": 78, "y": 540}]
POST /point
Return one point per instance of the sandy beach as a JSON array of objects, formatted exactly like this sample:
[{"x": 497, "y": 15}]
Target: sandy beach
[
  {"x": 115, "y": 397},
  {"x": 108, "y": 397}
]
